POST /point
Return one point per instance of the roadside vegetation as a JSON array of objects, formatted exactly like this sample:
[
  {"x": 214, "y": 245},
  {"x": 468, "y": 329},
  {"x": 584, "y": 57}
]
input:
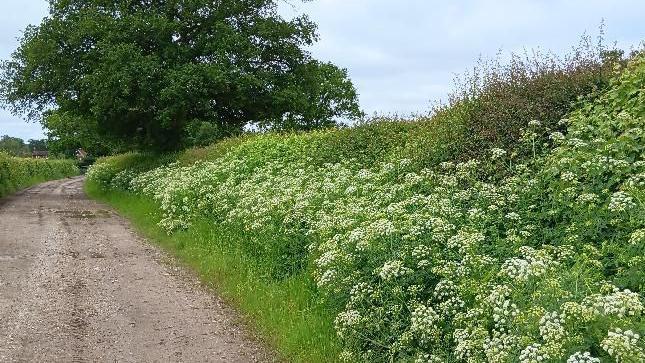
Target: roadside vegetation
[
  {"x": 17, "y": 172},
  {"x": 507, "y": 226}
]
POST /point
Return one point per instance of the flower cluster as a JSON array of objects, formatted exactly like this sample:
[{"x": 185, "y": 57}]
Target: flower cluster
[
  {"x": 497, "y": 153},
  {"x": 534, "y": 264},
  {"x": 580, "y": 357},
  {"x": 551, "y": 327},
  {"x": 619, "y": 303},
  {"x": 423, "y": 321},
  {"x": 623, "y": 346},
  {"x": 638, "y": 237},
  {"x": 393, "y": 269},
  {"x": 620, "y": 202},
  {"x": 533, "y": 354}
]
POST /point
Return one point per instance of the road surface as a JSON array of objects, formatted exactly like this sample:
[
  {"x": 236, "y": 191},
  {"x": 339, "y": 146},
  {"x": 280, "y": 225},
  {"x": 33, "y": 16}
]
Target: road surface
[{"x": 78, "y": 285}]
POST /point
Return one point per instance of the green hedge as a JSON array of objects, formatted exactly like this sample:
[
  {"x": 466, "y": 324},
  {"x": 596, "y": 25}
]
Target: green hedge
[
  {"x": 527, "y": 252},
  {"x": 17, "y": 173}
]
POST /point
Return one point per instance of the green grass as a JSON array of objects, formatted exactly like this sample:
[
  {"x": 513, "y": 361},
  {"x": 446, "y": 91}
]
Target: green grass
[{"x": 284, "y": 312}]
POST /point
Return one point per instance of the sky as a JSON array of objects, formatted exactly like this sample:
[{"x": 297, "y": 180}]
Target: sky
[{"x": 403, "y": 55}]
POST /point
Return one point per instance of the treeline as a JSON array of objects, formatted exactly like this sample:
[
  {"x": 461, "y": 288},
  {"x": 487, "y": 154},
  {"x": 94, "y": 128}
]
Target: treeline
[{"x": 18, "y": 147}]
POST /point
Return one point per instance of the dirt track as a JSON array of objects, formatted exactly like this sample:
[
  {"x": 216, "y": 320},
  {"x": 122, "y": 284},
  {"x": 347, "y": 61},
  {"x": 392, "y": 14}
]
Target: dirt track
[{"x": 76, "y": 284}]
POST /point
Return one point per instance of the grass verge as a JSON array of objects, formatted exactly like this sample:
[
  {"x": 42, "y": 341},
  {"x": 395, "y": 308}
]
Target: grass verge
[{"x": 284, "y": 312}]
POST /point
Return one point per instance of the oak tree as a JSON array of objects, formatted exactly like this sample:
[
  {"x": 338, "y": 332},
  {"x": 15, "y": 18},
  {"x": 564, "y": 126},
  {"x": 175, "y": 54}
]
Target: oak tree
[{"x": 151, "y": 73}]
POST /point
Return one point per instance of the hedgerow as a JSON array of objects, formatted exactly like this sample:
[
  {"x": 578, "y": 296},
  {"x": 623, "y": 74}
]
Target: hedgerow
[
  {"x": 17, "y": 173},
  {"x": 492, "y": 104},
  {"x": 528, "y": 251}
]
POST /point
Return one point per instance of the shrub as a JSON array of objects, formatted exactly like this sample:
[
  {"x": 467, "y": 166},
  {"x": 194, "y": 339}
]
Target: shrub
[
  {"x": 116, "y": 171},
  {"x": 493, "y": 104},
  {"x": 17, "y": 173},
  {"x": 443, "y": 263}
]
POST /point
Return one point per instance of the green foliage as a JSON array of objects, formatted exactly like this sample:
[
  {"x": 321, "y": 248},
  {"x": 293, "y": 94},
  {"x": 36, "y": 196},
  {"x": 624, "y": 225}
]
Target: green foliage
[
  {"x": 111, "y": 171},
  {"x": 13, "y": 145},
  {"x": 67, "y": 133},
  {"x": 528, "y": 253},
  {"x": 17, "y": 147},
  {"x": 37, "y": 145},
  {"x": 161, "y": 75},
  {"x": 492, "y": 105},
  {"x": 17, "y": 173}
]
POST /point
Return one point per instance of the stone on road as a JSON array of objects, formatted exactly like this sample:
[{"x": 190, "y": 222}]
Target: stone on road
[{"x": 77, "y": 284}]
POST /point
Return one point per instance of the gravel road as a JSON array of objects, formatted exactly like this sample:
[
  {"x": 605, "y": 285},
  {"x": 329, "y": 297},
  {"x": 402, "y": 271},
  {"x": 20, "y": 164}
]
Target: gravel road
[{"x": 78, "y": 285}]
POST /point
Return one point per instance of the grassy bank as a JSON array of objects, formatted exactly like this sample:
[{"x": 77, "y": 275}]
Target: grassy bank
[
  {"x": 19, "y": 173},
  {"x": 447, "y": 239},
  {"x": 284, "y": 312}
]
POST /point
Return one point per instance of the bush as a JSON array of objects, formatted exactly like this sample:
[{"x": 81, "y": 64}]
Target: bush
[
  {"x": 116, "y": 171},
  {"x": 441, "y": 262},
  {"x": 17, "y": 173},
  {"x": 493, "y": 104}
]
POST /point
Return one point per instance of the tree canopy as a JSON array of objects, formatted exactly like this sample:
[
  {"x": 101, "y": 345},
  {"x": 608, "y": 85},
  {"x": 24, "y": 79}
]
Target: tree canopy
[
  {"x": 162, "y": 74},
  {"x": 17, "y": 146}
]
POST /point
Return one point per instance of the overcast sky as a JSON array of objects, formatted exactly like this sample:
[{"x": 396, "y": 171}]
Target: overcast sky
[{"x": 403, "y": 54}]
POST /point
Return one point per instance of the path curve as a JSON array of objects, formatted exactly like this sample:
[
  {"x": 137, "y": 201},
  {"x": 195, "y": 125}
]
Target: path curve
[{"x": 78, "y": 285}]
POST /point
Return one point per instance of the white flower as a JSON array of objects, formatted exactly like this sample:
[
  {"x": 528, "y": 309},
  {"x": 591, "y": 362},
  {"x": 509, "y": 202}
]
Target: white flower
[
  {"x": 326, "y": 278},
  {"x": 497, "y": 153},
  {"x": 587, "y": 198},
  {"x": 637, "y": 237},
  {"x": 393, "y": 269},
  {"x": 346, "y": 320},
  {"x": 551, "y": 328},
  {"x": 579, "y": 357},
  {"x": 464, "y": 241},
  {"x": 499, "y": 346},
  {"x": 423, "y": 320},
  {"x": 556, "y": 137},
  {"x": 620, "y": 202},
  {"x": 568, "y": 176},
  {"x": 533, "y": 354},
  {"x": 427, "y": 358},
  {"x": 445, "y": 289},
  {"x": 534, "y": 264},
  {"x": 534, "y": 123},
  {"x": 619, "y": 303},
  {"x": 623, "y": 346}
]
